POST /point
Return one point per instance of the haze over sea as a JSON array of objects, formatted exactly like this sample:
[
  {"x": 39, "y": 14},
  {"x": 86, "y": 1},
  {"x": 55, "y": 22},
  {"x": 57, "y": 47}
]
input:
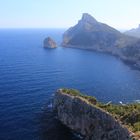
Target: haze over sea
[{"x": 30, "y": 75}]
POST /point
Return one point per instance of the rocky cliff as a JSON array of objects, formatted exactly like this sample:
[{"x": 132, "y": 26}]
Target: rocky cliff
[
  {"x": 93, "y": 35},
  {"x": 49, "y": 43},
  {"x": 87, "y": 119}
]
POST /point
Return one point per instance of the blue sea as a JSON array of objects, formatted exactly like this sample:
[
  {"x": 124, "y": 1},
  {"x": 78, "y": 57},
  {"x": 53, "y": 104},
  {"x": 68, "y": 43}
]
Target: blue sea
[{"x": 30, "y": 75}]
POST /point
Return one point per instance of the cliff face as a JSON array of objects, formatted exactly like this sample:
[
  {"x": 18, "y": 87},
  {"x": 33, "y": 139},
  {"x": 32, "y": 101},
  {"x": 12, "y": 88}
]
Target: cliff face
[
  {"x": 93, "y": 35},
  {"x": 88, "y": 120}
]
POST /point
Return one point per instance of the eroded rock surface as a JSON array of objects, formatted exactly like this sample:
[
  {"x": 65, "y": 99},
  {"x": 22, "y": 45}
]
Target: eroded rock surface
[{"x": 90, "y": 121}]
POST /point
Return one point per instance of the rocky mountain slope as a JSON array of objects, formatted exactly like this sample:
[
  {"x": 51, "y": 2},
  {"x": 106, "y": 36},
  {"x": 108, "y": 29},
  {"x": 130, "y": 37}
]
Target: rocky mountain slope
[
  {"x": 83, "y": 115},
  {"x": 93, "y": 35},
  {"x": 134, "y": 32}
]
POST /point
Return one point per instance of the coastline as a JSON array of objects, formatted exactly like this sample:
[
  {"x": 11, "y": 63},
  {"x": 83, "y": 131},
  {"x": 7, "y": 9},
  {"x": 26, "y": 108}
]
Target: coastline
[{"x": 130, "y": 63}]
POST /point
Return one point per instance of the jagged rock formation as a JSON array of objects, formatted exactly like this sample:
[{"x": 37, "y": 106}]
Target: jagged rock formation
[
  {"x": 93, "y": 35},
  {"x": 134, "y": 32},
  {"x": 90, "y": 121},
  {"x": 49, "y": 43}
]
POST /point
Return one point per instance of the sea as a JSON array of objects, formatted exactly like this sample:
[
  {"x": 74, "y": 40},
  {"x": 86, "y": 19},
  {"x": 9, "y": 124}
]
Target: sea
[{"x": 31, "y": 74}]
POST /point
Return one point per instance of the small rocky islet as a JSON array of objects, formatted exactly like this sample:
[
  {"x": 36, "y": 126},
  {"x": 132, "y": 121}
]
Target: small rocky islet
[
  {"x": 94, "y": 120},
  {"x": 49, "y": 43}
]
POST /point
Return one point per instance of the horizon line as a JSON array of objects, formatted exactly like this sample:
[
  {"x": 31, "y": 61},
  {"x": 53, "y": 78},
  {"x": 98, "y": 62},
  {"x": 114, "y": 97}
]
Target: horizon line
[{"x": 119, "y": 29}]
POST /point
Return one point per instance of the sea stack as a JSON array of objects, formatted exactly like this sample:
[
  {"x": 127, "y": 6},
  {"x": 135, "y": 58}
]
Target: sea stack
[{"x": 49, "y": 43}]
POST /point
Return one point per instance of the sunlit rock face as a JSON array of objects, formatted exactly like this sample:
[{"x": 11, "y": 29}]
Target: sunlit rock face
[
  {"x": 88, "y": 120},
  {"x": 49, "y": 43}
]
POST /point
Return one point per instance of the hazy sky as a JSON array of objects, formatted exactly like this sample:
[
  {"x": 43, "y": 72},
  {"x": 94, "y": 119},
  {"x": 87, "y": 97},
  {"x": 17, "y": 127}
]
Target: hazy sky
[{"x": 121, "y": 14}]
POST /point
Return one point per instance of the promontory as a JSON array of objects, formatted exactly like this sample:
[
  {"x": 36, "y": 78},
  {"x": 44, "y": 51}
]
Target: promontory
[
  {"x": 94, "y": 120},
  {"x": 90, "y": 34}
]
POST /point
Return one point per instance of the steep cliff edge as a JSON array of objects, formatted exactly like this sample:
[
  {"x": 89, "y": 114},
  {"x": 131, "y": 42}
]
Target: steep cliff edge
[
  {"x": 90, "y": 34},
  {"x": 84, "y": 115}
]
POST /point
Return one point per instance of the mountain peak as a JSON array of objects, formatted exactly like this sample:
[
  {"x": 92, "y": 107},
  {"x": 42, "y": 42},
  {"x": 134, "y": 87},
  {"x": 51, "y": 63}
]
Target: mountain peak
[{"x": 88, "y": 18}]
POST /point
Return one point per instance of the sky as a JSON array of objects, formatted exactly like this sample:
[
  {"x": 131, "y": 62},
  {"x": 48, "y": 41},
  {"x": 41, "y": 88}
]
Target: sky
[{"x": 120, "y": 14}]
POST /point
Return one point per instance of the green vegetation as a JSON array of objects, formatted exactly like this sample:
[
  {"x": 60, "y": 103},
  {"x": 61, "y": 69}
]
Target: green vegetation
[
  {"x": 128, "y": 114},
  {"x": 74, "y": 92}
]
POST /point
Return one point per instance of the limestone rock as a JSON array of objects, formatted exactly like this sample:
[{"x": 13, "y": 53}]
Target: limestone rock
[
  {"x": 90, "y": 121},
  {"x": 49, "y": 43}
]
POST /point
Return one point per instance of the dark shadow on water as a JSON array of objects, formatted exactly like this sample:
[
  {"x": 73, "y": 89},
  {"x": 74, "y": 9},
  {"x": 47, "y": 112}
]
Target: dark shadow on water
[{"x": 52, "y": 129}]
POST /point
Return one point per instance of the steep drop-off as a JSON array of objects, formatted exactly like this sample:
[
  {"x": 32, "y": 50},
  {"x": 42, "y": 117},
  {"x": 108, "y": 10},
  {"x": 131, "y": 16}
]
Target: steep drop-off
[{"x": 82, "y": 114}]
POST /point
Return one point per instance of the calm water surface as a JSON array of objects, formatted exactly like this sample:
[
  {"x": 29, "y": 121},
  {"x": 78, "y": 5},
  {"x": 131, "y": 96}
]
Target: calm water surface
[{"x": 30, "y": 74}]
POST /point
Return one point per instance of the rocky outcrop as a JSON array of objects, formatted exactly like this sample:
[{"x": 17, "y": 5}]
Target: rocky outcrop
[
  {"x": 134, "y": 32},
  {"x": 93, "y": 35},
  {"x": 49, "y": 43},
  {"x": 90, "y": 33},
  {"x": 90, "y": 121}
]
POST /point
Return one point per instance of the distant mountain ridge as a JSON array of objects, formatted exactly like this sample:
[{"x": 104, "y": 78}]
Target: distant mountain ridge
[
  {"x": 134, "y": 32},
  {"x": 93, "y": 35}
]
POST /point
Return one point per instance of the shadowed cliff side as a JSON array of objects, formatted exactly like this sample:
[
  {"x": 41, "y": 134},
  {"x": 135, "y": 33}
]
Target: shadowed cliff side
[{"x": 81, "y": 114}]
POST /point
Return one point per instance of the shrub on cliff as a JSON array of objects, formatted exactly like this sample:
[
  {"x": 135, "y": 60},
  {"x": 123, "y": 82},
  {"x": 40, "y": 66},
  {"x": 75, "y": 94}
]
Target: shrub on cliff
[{"x": 74, "y": 92}]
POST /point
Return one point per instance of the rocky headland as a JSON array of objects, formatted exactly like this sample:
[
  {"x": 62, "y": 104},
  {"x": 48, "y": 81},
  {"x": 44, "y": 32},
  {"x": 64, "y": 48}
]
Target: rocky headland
[
  {"x": 94, "y": 120},
  {"x": 93, "y": 35},
  {"x": 49, "y": 43}
]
